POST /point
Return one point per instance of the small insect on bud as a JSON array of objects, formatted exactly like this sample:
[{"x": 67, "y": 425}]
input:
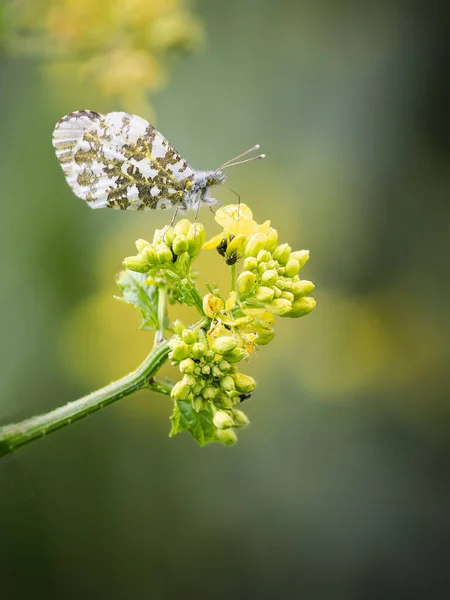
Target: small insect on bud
[
  {"x": 264, "y": 294},
  {"x": 180, "y": 391},
  {"x": 136, "y": 263},
  {"x": 301, "y": 307},
  {"x": 223, "y": 344},
  {"x": 302, "y": 288},
  {"x": 271, "y": 239},
  {"x": 180, "y": 244},
  {"x": 245, "y": 282},
  {"x": 240, "y": 418},
  {"x": 280, "y": 306},
  {"x": 269, "y": 277},
  {"x": 292, "y": 267},
  {"x": 250, "y": 263},
  {"x": 226, "y": 436},
  {"x": 222, "y": 420},
  {"x": 282, "y": 253},
  {"x": 254, "y": 244},
  {"x": 189, "y": 336},
  {"x": 244, "y": 383},
  {"x": 236, "y": 246},
  {"x": 141, "y": 244},
  {"x": 227, "y": 383},
  {"x": 196, "y": 238},
  {"x": 302, "y": 256},
  {"x": 187, "y": 365}
]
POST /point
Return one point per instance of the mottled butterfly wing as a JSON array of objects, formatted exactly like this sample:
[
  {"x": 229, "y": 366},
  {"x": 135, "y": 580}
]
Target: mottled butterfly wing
[{"x": 120, "y": 161}]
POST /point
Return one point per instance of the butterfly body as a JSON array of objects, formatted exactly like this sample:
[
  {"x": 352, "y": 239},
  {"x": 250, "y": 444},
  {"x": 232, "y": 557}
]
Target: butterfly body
[{"x": 120, "y": 161}]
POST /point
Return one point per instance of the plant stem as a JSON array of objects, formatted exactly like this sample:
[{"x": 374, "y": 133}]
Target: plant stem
[
  {"x": 16, "y": 435},
  {"x": 160, "y": 387},
  {"x": 163, "y": 318},
  {"x": 233, "y": 277}
]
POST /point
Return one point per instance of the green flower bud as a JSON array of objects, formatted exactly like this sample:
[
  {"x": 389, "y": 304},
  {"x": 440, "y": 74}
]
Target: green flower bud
[
  {"x": 288, "y": 296},
  {"x": 189, "y": 336},
  {"x": 197, "y": 370},
  {"x": 302, "y": 256},
  {"x": 141, "y": 244},
  {"x": 216, "y": 372},
  {"x": 136, "y": 263},
  {"x": 180, "y": 244},
  {"x": 206, "y": 369},
  {"x": 301, "y": 307},
  {"x": 180, "y": 391},
  {"x": 276, "y": 291},
  {"x": 198, "y": 350},
  {"x": 224, "y": 366},
  {"x": 250, "y": 263},
  {"x": 196, "y": 238},
  {"x": 164, "y": 236},
  {"x": 254, "y": 244},
  {"x": 197, "y": 388},
  {"x": 208, "y": 392},
  {"x": 285, "y": 284},
  {"x": 292, "y": 267},
  {"x": 223, "y": 344},
  {"x": 264, "y": 294},
  {"x": 244, "y": 383},
  {"x": 178, "y": 327},
  {"x": 227, "y": 383},
  {"x": 262, "y": 268},
  {"x": 240, "y": 418},
  {"x": 183, "y": 264},
  {"x": 199, "y": 403},
  {"x": 182, "y": 227},
  {"x": 150, "y": 255},
  {"x": 209, "y": 356},
  {"x": 245, "y": 282},
  {"x": 226, "y": 436},
  {"x": 269, "y": 277},
  {"x": 265, "y": 336},
  {"x": 263, "y": 256},
  {"x": 164, "y": 253},
  {"x": 302, "y": 288},
  {"x": 282, "y": 253},
  {"x": 271, "y": 239},
  {"x": 180, "y": 350},
  {"x": 236, "y": 245},
  {"x": 235, "y": 355},
  {"x": 187, "y": 365},
  {"x": 279, "y": 306},
  {"x": 222, "y": 420},
  {"x": 188, "y": 379}
]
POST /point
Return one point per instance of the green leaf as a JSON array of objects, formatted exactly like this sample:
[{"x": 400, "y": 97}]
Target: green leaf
[
  {"x": 142, "y": 295},
  {"x": 199, "y": 425}
]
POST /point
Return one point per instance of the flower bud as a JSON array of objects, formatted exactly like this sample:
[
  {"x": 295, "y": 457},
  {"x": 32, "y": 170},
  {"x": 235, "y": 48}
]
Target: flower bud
[
  {"x": 206, "y": 369},
  {"x": 227, "y": 383},
  {"x": 223, "y": 344},
  {"x": 180, "y": 391},
  {"x": 150, "y": 255},
  {"x": 208, "y": 392},
  {"x": 198, "y": 350},
  {"x": 222, "y": 420},
  {"x": 178, "y": 327},
  {"x": 264, "y": 294},
  {"x": 250, "y": 263},
  {"x": 288, "y": 296},
  {"x": 276, "y": 291},
  {"x": 302, "y": 256},
  {"x": 279, "y": 306},
  {"x": 136, "y": 263},
  {"x": 199, "y": 403},
  {"x": 245, "y": 282},
  {"x": 164, "y": 235},
  {"x": 236, "y": 355},
  {"x": 216, "y": 372},
  {"x": 244, "y": 383},
  {"x": 239, "y": 417},
  {"x": 187, "y": 365},
  {"x": 302, "y": 288},
  {"x": 282, "y": 253},
  {"x": 189, "y": 336},
  {"x": 292, "y": 267},
  {"x": 197, "y": 388},
  {"x": 301, "y": 307},
  {"x": 265, "y": 336},
  {"x": 212, "y": 305},
  {"x": 285, "y": 284},
  {"x": 196, "y": 238},
  {"x": 164, "y": 253},
  {"x": 236, "y": 245},
  {"x": 182, "y": 227},
  {"x": 271, "y": 239},
  {"x": 263, "y": 256},
  {"x": 254, "y": 244},
  {"x": 269, "y": 277},
  {"x": 262, "y": 268},
  {"x": 209, "y": 356},
  {"x": 180, "y": 244},
  {"x": 226, "y": 436},
  {"x": 180, "y": 350},
  {"x": 188, "y": 380},
  {"x": 141, "y": 244},
  {"x": 224, "y": 366}
]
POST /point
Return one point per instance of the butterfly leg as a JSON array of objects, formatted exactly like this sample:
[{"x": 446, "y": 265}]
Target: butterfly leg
[
  {"x": 171, "y": 222},
  {"x": 224, "y": 209}
]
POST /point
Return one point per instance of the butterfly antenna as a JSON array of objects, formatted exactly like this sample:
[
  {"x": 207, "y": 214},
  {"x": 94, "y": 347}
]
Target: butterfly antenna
[
  {"x": 241, "y": 162},
  {"x": 229, "y": 163}
]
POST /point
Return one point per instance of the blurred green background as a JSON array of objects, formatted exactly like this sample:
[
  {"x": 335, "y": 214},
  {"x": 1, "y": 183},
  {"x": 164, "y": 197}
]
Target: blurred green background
[{"x": 339, "y": 489}]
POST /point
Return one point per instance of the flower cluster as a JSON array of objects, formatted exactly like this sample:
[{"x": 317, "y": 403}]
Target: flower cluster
[{"x": 232, "y": 326}]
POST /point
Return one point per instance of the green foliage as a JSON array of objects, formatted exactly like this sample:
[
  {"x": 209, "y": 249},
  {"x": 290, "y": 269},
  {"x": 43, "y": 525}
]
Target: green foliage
[
  {"x": 144, "y": 296},
  {"x": 198, "y": 424}
]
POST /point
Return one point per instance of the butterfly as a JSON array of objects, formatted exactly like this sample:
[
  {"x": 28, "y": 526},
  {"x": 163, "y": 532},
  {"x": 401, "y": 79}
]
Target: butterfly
[{"x": 119, "y": 160}]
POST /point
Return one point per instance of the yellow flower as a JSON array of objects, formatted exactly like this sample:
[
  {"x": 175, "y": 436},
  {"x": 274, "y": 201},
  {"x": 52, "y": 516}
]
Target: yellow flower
[{"x": 235, "y": 219}]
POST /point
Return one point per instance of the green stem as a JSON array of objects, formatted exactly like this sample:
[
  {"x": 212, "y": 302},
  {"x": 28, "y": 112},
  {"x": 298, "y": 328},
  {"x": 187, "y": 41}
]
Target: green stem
[
  {"x": 233, "y": 277},
  {"x": 16, "y": 435},
  {"x": 163, "y": 318},
  {"x": 160, "y": 387}
]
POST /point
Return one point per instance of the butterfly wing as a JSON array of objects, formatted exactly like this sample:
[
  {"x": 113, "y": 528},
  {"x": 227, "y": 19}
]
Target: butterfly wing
[{"x": 120, "y": 161}]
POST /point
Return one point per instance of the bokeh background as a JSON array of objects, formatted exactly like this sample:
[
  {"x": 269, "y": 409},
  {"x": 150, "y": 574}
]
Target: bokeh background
[{"x": 339, "y": 489}]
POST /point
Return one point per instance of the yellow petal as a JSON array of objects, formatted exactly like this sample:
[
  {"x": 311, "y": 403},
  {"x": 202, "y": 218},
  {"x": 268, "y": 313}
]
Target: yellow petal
[
  {"x": 212, "y": 305},
  {"x": 213, "y": 242},
  {"x": 231, "y": 302}
]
